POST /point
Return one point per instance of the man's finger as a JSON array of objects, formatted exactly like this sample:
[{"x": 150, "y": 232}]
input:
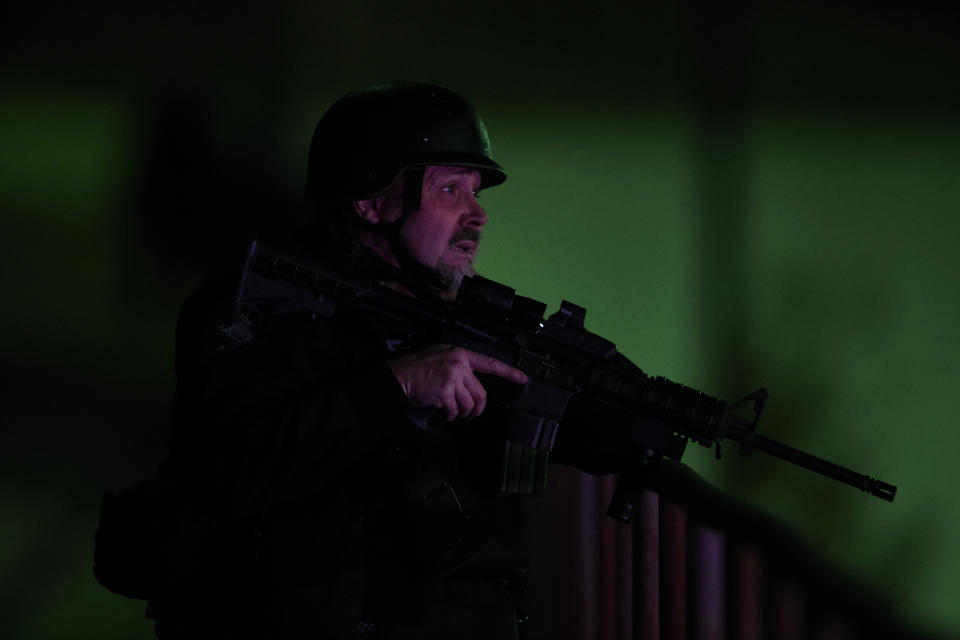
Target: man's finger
[
  {"x": 448, "y": 400},
  {"x": 488, "y": 364},
  {"x": 465, "y": 402},
  {"x": 479, "y": 395}
]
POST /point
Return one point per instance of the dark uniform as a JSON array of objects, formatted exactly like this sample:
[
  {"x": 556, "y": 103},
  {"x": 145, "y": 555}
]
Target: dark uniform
[{"x": 318, "y": 501}]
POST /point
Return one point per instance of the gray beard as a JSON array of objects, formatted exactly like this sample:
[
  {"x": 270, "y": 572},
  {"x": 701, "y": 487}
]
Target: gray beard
[{"x": 448, "y": 278}]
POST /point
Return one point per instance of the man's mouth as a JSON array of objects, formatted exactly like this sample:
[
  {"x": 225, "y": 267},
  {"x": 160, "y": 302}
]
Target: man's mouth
[
  {"x": 465, "y": 241},
  {"x": 467, "y": 247}
]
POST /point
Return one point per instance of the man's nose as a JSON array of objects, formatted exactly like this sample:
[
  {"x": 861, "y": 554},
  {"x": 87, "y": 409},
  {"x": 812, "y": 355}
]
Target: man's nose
[{"x": 474, "y": 216}]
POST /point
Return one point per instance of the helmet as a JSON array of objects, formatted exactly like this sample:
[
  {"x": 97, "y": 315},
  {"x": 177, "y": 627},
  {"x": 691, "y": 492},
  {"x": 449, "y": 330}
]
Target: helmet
[{"x": 368, "y": 138}]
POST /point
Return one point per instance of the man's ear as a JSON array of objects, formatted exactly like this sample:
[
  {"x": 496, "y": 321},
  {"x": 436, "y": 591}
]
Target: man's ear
[{"x": 370, "y": 210}]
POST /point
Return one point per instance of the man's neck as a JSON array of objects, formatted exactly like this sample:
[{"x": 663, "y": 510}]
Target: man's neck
[
  {"x": 381, "y": 247},
  {"x": 377, "y": 243}
]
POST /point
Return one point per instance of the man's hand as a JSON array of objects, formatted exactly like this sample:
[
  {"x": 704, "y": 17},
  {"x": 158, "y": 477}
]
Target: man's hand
[{"x": 442, "y": 376}]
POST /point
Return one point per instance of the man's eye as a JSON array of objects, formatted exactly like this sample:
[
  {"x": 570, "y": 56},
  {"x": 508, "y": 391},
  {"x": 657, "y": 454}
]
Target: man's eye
[{"x": 453, "y": 189}]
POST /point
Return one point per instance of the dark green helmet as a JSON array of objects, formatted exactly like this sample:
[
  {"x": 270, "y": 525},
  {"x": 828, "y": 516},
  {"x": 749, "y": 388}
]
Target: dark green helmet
[{"x": 368, "y": 138}]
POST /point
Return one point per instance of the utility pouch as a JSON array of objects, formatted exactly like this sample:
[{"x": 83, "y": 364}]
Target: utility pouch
[{"x": 133, "y": 539}]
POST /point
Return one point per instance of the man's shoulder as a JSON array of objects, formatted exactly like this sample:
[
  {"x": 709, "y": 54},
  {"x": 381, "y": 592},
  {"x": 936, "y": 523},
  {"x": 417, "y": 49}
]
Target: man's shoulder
[
  {"x": 211, "y": 301},
  {"x": 198, "y": 319},
  {"x": 215, "y": 299}
]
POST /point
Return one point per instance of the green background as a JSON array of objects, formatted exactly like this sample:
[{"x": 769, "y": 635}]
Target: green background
[{"x": 758, "y": 196}]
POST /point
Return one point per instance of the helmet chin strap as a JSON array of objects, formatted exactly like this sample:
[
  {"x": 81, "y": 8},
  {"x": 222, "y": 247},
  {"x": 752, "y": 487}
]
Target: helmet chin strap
[
  {"x": 418, "y": 278},
  {"x": 421, "y": 280},
  {"x": 412, "y": 192}
]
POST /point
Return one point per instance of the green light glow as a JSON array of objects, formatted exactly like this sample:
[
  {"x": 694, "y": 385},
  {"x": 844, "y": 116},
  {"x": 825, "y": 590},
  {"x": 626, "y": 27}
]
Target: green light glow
[{"x": 849, "y": 263}]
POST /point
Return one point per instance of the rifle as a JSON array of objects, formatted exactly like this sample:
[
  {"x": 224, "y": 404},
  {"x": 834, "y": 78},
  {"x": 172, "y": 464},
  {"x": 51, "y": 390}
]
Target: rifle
[{"x": 612, "y": 416}]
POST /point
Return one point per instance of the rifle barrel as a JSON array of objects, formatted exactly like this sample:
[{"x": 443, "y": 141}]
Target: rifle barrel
[{"x": 867, "y": 484}]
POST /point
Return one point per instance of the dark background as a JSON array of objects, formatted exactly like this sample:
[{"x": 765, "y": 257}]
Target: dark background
[{"x": 755, "y": 195}]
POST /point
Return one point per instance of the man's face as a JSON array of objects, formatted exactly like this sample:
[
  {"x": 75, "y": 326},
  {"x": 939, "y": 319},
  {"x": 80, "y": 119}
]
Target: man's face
[{"x": 443, "y": 234}]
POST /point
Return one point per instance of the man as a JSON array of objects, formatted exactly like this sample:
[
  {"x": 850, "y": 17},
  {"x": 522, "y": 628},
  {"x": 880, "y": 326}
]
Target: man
[
  {"x": 443, "y": 233},
  {"x": 335, "y": 475}
]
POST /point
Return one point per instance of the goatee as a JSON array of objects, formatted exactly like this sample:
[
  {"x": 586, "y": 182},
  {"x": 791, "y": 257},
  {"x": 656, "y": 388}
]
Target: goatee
[{"x": 449, "y": 277}]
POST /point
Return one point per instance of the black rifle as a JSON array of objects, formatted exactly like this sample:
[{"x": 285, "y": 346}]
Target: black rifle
[{"x": 614, "y": 417}]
